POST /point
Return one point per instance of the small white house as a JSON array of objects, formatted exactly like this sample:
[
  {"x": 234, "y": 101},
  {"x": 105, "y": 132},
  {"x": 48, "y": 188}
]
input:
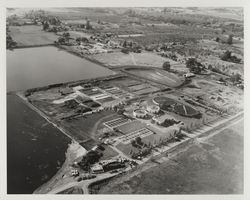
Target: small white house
[
  {"x": 189, "y": 75},
  {"x": 97, "y": 168}
]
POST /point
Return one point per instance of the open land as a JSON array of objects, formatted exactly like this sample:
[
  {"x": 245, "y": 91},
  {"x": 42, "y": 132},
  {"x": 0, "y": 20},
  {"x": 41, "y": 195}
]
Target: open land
[
  {"x": 32, "y": 35},
  {"x": 116, "y": 59},
  {"x": 187, "y": 173},
  {"x": 166, "y": 121}
]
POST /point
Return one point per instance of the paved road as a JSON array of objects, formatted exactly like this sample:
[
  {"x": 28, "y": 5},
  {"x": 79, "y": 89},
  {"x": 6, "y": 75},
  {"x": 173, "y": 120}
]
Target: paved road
[{"x": 82, "y": 184}]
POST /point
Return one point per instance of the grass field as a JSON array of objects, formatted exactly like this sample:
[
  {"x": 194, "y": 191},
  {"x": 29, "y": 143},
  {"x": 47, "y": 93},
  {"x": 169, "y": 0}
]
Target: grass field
[
  {"x": 158, "y": 76},
  {"x": 181, "y": 109},
  {"x": 214, "y": 166},
  {"x": 108, "y": 153},
  {"x": 31, "y": 35},
  {"x": 84, "y": 128},
  {"x": 141, "y": 59},
  {"x": 131, "y": 127},
  {"x": 164, "y": 101}
]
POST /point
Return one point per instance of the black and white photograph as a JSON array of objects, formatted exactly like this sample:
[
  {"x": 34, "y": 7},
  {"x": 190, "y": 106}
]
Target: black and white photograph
[{"x": 124, "y": 100}]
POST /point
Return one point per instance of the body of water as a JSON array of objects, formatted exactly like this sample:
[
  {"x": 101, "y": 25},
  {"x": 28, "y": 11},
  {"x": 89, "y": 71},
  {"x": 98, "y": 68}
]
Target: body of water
[
  {"x": 35, "y": 148},
  {"x": 40, "y": 66}
]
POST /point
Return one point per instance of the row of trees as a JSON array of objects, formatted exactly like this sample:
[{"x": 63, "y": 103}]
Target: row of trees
[
  {"x": 10, "y": 43},
  {"x": 81, "y": 39},
  {"x": 129, "y": 46},
  {"x": 64, "y": 39}
]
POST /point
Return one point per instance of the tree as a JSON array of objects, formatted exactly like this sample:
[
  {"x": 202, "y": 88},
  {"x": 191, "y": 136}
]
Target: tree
[
  {"x": 124, "y": 43},
  {"x": 133, "y": 142},
  {"x": 130, "y": 44},
  {"x": 66, "y": 35},
  {"x": 81, "y": 39},
  {"x": 53, "y": 29},
  {"x": 235, "y": 78},
  {"x": 226, "y": 56},
  {"x": 230, "y": 39},
  {"x": 61, "y": 40},
  {"x": 90, "y": 158},
  {"x": 166, "y": 66},
  {"x": 78, "y": 40},
  {"x": 165, "y": 10},
  {"x": 125, "y": 50},
  {"x": 88, "y": 25},
  {"x": 10, "y": 43},
  {"x": 194, "y": 66},
  {"x": 210, "y": 67},
  {"x": 217, "y": 39},
  {"x": 138, "y": 140},
  {"x": 221, "y": 79},
  {"x": 45, "y": 25}
]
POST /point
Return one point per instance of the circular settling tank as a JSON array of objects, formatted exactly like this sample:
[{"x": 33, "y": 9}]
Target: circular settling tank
[{"x": 140, "y": 113}]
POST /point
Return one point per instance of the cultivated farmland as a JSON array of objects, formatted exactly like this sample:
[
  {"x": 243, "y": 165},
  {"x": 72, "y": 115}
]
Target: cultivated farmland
[{"x": 31, "y": 35}]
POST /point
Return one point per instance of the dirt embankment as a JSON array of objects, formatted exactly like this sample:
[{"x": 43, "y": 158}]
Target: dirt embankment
[{"x": 74, "y": 153}]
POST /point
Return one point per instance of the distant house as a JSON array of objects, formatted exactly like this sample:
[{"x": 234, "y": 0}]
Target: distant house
[
  {"x": 29, "y": 23},
  {"x": 97, "y": 168},
  {"x": 113, "y": 165},
  {"x": 240, "y": 85},
  {"x": 108, "y": 141},
  {"x": 74, "y": 172},
  {"x": 66, "y": 91},
  {"x": 189, "y": 75},
  {"x": 220, "y": 82}
]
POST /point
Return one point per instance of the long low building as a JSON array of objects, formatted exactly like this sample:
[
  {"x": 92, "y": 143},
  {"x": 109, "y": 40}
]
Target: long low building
[{"x": 97, "y": 168}]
